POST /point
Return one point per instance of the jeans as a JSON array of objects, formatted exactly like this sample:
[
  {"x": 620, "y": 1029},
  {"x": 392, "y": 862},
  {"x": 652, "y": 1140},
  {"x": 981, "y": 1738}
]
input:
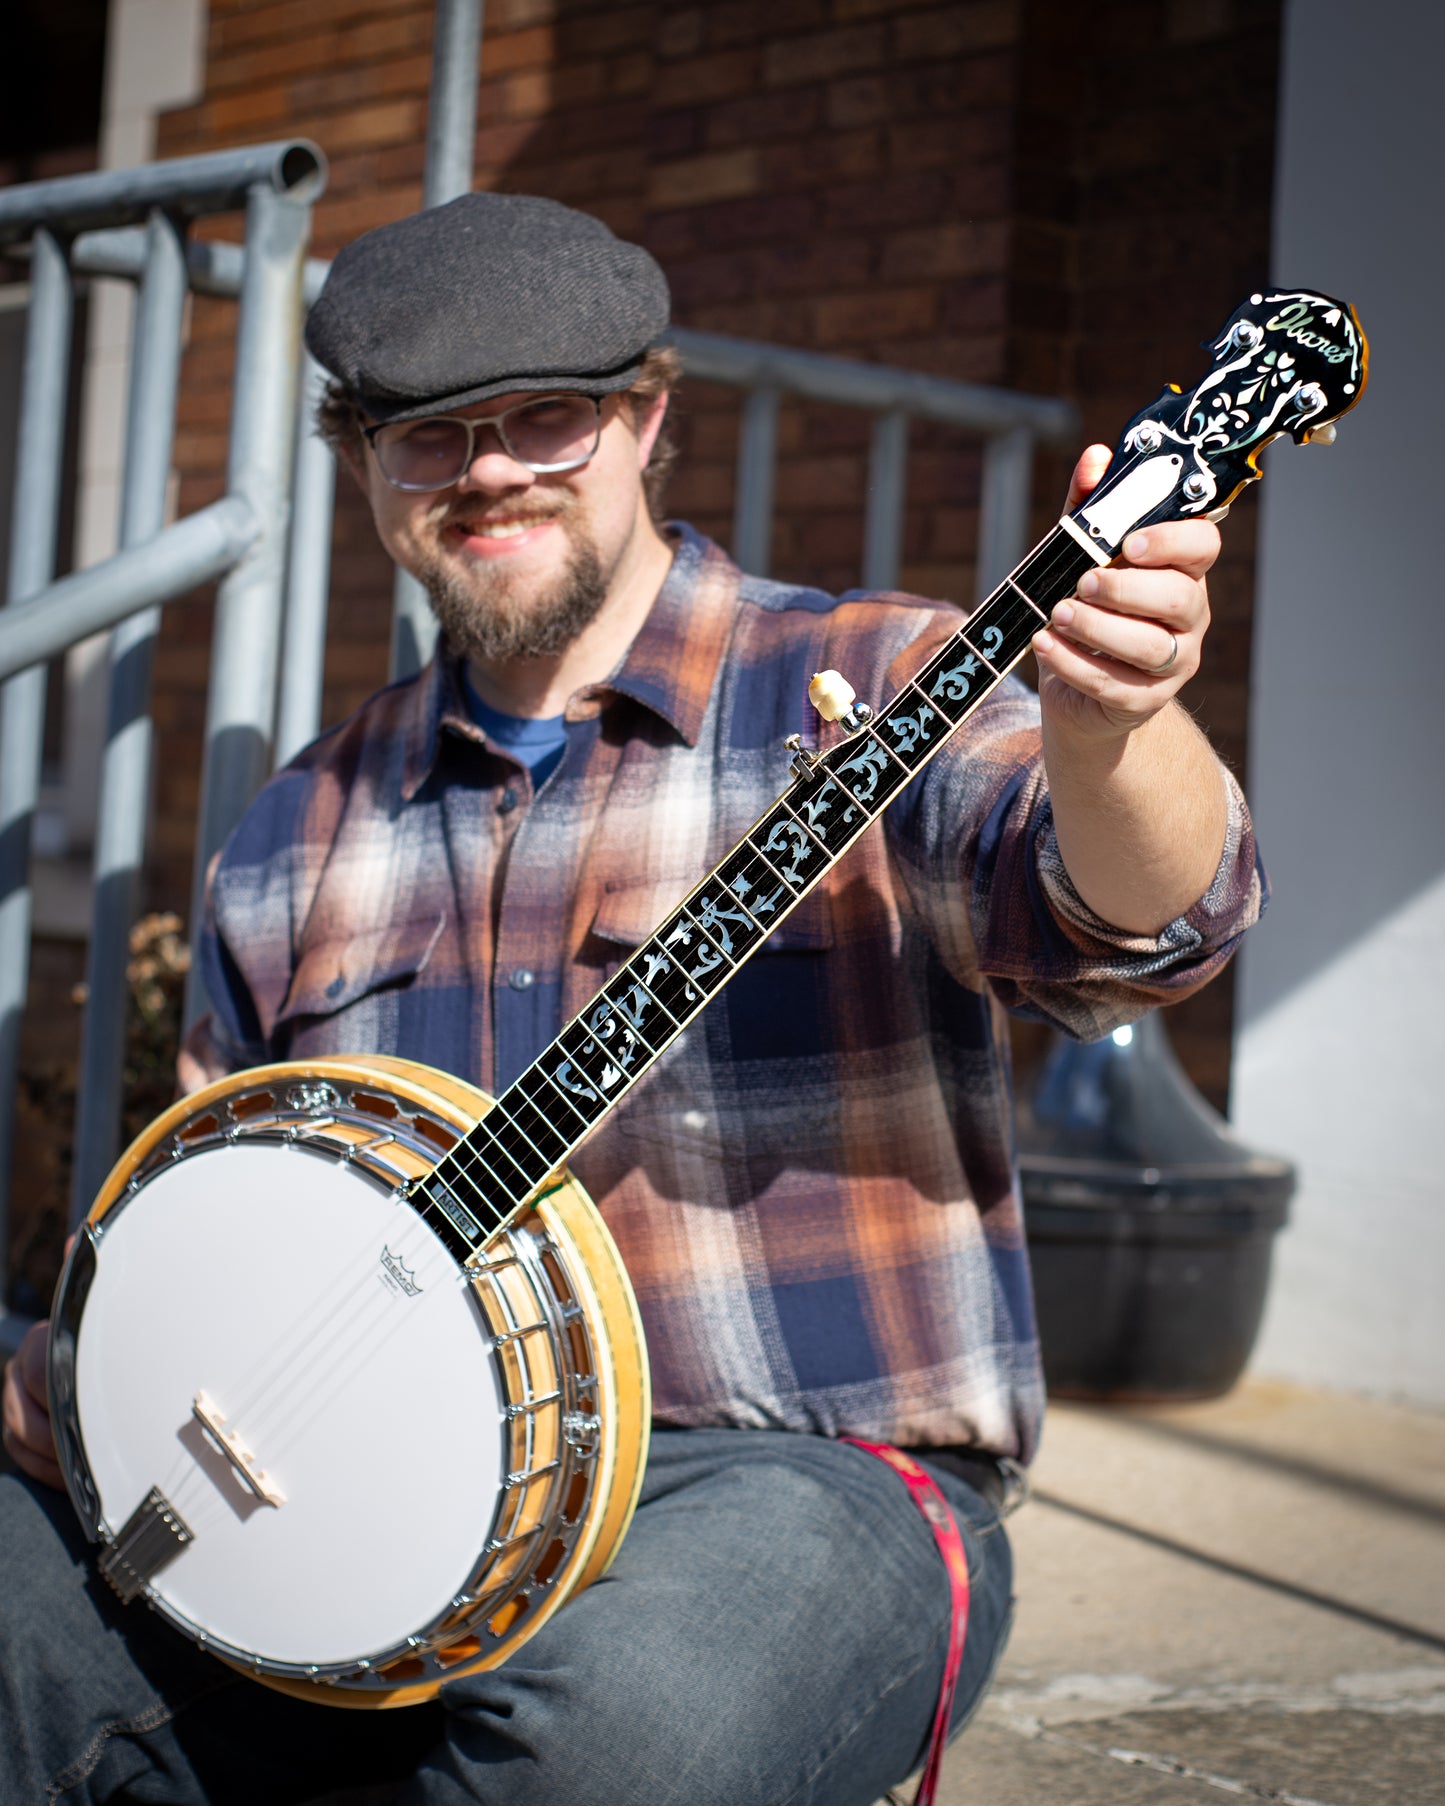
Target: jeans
[{"x": 772, "y": 1633}]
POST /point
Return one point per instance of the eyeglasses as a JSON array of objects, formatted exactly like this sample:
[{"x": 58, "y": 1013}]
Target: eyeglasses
[{"x": 554, "y": 432}]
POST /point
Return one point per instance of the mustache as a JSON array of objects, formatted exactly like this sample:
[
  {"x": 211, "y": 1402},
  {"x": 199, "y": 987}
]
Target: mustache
[{"x": 458, "y": 514}]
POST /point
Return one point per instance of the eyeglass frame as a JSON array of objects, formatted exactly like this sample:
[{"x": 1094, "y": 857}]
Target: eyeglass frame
[{"x": 471, "y": 424}]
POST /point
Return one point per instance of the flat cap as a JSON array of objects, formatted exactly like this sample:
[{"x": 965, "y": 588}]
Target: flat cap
[{"x": 488, "y": 295}]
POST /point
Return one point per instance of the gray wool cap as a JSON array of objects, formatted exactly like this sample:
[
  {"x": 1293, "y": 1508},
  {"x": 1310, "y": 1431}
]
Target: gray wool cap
[{"x": 491, "y": 294}]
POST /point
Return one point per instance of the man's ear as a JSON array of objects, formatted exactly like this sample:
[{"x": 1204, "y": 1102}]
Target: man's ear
[
  {"x": 649, "y": 425},
  {"x": 351, "y": 456}
]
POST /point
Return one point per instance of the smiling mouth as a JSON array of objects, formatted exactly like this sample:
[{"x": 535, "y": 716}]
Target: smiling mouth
[{"x": 510, "y": 528}]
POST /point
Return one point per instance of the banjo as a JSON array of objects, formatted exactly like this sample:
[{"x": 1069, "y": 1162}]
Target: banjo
[{"x": 314, "y": 1287}]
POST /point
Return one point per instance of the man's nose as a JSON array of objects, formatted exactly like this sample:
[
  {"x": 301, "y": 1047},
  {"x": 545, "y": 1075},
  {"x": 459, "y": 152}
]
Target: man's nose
[{"x": 492, "y": 466}]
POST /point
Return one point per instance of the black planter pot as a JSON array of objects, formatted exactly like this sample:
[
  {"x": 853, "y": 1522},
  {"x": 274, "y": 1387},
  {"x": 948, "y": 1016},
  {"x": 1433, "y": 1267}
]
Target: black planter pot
[{"x": 1150, "y": 1225}]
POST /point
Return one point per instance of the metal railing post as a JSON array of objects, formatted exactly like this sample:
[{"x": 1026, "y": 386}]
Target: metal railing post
[
  {"x": 451, "y": 122},
  {"x": 34, "y": 525},
  {"x": 451, "y": 132},
  {"x": 757, "y": 463},
  {"x": 241, "y": 705},
  {"x": 1003, "y": 507},
  {"x": 126, "y": 761},
  {"x": 308, "y": 575},
  {"x": 883, "y": 510}
]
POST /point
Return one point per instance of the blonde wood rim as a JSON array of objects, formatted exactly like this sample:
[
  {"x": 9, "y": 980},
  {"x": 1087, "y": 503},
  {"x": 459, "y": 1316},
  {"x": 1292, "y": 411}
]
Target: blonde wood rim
[{"x": 624, "y": 1392}]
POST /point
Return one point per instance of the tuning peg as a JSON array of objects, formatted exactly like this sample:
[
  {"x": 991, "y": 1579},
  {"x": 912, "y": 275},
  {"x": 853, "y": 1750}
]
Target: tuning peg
[
  {"x": 803, "y": 761},
  {"x": 835, "y": 699},
  {"x": 1218, "y": 514},
  {"x": 1324, "y": 434}
]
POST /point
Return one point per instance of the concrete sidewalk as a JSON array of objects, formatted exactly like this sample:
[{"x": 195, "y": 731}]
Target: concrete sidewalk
[{"x": 1244, "y": 1598}]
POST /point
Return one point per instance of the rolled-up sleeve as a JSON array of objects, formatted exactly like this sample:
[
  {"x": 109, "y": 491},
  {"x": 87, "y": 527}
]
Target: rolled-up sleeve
[{"x": 976, "y": 845}]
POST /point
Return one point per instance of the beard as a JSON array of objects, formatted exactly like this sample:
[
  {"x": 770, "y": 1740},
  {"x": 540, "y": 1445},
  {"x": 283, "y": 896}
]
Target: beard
[{"x": 492, "y": 617}]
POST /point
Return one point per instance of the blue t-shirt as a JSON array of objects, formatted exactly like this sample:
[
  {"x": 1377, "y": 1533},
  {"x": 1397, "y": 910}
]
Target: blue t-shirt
[{"x": 537, "y": 744}]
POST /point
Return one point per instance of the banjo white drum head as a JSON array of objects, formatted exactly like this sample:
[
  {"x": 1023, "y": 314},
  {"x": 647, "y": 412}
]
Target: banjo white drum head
[{"x": 348, "y": 1359}]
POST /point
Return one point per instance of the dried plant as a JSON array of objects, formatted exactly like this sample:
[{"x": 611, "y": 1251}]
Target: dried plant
[{"x": 46, "y": 1101}]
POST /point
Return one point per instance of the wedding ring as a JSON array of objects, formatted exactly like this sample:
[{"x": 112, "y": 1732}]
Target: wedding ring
[{"x": 1159, "y": 670}]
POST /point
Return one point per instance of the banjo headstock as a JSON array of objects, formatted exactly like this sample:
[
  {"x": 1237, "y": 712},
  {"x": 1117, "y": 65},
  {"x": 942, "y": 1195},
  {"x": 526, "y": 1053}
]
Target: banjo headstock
[{"x": 1285, "y": 362}]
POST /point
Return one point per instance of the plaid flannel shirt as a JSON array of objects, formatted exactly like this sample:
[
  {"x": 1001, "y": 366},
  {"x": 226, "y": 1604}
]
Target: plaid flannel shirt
[{"x": 814, "y": 1189}]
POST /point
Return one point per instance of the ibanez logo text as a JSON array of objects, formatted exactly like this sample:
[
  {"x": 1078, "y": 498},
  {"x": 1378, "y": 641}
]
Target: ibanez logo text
[{"x": 1294, "y": 320}]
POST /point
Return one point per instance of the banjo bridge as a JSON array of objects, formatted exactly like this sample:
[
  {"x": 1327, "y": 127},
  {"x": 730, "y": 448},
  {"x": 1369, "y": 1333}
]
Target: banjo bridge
[
  {"x": 151, "y": 1536},
  {"x": 229, "y": 1444}
]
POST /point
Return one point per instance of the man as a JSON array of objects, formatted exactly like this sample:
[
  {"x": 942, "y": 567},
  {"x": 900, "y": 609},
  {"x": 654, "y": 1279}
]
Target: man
[{"x": 812, "y": 1191}]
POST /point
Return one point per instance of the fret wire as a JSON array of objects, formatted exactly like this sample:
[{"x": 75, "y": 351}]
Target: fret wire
[
  {"x": 907, "y": 770},
  {"x": 477, "y": 1154},
  {"x": 516, "y": 1091},
  {"x": 933, "y": 708},
  {"x": 982, "y": 656},
  {"x": 1019, "y": 591},
  {"x": 820, "y": 845},
  {"x": 980, "y": 618},
  {"x": 513, "y": 1117},
  {"x": 670, "y": 1027},
  {"x": 616, "y": 1013},
  {"x": 793, "y": 894},
  {"x": 524, "y": 1098},
  {"x": 557, "y": 1091},
  {"x": 465, "y": 1209},
  {"x": 685, "y": 909},
  {"x": 512, "y": 1123},
  {"x": 508, "y": 1192},
  {"x": 1060, "y": 559},
  {"x": 536, "y": 1069},
  {"x": 638, "y": 979},
  {"x": 764, "y": 932},
  {"x": 497, "y": 1147},
  {"x": 605, "y": 1059},
  {"x": 789, "y": 895}
]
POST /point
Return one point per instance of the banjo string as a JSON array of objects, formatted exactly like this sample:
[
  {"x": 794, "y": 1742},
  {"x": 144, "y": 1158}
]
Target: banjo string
[{"x": 356, "y": 1335}]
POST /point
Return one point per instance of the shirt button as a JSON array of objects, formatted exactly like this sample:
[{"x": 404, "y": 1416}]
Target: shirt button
[
  {"x": 508, "y": 800},
  {"x": 522, "y": 979}
]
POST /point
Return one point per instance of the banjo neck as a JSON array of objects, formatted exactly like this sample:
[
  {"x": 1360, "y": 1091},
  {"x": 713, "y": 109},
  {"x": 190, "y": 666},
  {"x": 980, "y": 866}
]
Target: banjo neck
[
  {"x": 494, "y": 1173},
  {"x": 1286, "y": 362}
]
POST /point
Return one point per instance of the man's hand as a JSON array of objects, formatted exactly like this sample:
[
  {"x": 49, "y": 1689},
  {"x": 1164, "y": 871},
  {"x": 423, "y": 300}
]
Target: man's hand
[
  {"x": 1138, "y": 796},
  {"x": 1107, "y": 661},
  {"x": 28, "y": 1439}
]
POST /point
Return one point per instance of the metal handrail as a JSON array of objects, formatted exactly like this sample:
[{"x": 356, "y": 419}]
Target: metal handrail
[
  {"x": 253, "y": 719},
  {"x": 240, "y": 540}
]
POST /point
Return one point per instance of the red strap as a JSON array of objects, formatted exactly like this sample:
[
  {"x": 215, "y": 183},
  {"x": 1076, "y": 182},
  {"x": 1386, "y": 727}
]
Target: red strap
[{"x": 931, "y": 1502}]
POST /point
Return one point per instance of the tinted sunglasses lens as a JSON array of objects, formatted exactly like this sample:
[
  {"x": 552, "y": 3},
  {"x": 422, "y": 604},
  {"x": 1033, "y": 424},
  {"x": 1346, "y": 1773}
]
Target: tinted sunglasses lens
[
  {"x": 422, "y": 454},
  {"x": 557, "y": 431}
]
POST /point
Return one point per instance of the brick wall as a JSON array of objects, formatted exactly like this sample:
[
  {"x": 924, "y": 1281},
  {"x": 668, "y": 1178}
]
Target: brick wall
[
  {"x": 1129, "y": 255},
  {"x": 1008, "y": 191}
]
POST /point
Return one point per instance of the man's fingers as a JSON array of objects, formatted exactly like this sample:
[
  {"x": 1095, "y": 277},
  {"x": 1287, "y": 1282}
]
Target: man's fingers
[
  {"x": 30, "y": 1360},
  {"x": 1147, "y": 646},
  {"x": 1190, "y": 546},
  {"x": 24, "y": 1411},
  {"x": 1180, "y": 601}
]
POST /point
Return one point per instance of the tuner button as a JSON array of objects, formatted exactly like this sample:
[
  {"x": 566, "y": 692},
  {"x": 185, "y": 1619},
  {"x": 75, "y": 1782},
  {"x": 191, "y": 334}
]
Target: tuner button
[
  {"x": 1217, "y": 514},
  {"x": 831, "y": 695},
  {"x": 1322, "y": 435}
]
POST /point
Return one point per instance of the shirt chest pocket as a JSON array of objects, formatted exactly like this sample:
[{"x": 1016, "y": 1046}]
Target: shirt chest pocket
[
  {"x": 338, "y": 975},
  {"x": 630, "y": 913},
  {"x": 749, "y": 1073}
]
